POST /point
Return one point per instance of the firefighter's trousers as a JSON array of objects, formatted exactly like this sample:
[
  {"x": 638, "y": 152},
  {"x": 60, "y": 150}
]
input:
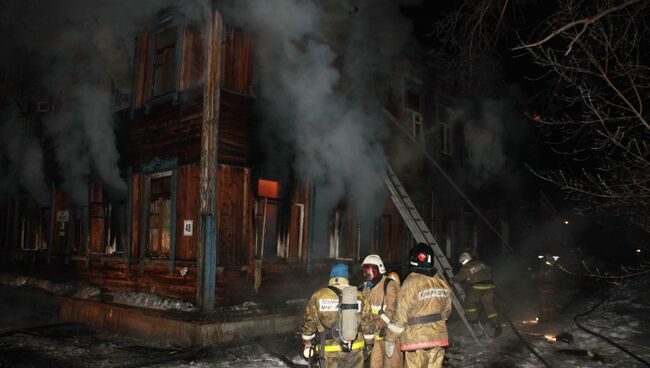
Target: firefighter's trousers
[
  {"x": 341, "y": 359},
  {"x": 425, "y": 358},
  {"x": 378, "y": 358},
  {"x": 482, "y": 294},
  {"x": 547, "y": 308}
]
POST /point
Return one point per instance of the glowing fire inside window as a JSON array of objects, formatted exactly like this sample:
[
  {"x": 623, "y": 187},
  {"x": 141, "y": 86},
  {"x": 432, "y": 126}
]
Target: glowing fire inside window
[{"x": 268, "y": 188}]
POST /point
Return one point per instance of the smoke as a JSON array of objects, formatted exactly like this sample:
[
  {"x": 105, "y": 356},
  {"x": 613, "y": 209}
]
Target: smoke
[
  {"x": 75, "y": 52},
  {"x": 24, "y": 160},
  {"x": 490, "y": 127},
  {"x": 324, "y": 75}
]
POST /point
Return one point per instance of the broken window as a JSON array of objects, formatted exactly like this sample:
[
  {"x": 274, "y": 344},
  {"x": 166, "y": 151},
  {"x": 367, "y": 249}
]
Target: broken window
[
  {"x": 164, "y": 60},
  {"x": 160, "y": 216},
  {"x": 267, "y": 215},
  {"x": 445, "y": 139}
]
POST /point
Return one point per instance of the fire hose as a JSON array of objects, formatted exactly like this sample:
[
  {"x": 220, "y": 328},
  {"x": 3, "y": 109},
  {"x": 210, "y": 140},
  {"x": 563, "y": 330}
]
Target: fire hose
[
  {"x": 516, "y": 331},
  {"x": 606, "y": 339}
]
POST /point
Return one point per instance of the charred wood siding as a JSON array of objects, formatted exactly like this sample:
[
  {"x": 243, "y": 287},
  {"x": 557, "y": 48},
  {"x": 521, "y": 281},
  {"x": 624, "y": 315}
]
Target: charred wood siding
[
  {"x": 191, "y": 69},
  {"x": 97, "y": 219},
  {"x": 235, "y": 130},
  {"x": 233, "y": 209},
  {"x": 60, "y": 239},
  {"x": 187, "y": 208},
  {"x": 136, "y": 214},
  {"x": 237, "y": 63},
  {"x": 141, "y": 76},
  {"x": 116, "y": 275},
  {"x": 168, "y": 131}
]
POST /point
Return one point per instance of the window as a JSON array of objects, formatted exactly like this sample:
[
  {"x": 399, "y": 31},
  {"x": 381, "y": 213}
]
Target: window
[
  {"x": 160, "y": 216},
  {"x": 416, "y": 122},
  {"x": 445, "y": 139},
  {"x": 412, "y": 97},
  {"x": 164, "y": 61},
  {"x": 468, "y": 148}
]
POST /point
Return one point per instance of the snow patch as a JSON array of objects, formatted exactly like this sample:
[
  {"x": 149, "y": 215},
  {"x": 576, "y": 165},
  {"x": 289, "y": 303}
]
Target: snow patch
[{"x": 150, "y": 301}]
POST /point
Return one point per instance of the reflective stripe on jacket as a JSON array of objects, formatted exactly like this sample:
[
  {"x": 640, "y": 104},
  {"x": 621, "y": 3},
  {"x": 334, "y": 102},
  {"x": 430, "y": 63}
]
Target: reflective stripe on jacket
[
  {"x": 375, "y": 296},
  {"x": 322, "y": 313},
  {"x": 474, "y": 272},
  {"x": 420, "y": 296}
]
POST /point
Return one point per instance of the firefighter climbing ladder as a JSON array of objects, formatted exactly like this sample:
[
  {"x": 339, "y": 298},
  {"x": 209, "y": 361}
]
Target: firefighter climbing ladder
[{"x": 421, "y": 233}]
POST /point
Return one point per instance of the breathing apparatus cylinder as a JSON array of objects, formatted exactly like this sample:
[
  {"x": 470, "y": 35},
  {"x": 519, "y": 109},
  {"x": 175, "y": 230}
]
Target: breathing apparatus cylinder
[{"x": 349, "y": 309}]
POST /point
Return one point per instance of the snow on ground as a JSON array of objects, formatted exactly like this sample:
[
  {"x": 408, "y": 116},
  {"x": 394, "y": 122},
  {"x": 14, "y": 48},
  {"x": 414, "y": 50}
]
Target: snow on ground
[
  {"x": 135, "y": 299},
  {"x": 623, "y": 317}
]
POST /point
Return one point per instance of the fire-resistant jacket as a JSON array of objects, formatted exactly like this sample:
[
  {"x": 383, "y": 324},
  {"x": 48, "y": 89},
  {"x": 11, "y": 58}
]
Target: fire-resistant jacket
[
  {"x": 322, "y": 313},
  {"x": 420, "y": 297},
  {"x": 474, "y": 272},
  {"x": 382, "y": 313}
]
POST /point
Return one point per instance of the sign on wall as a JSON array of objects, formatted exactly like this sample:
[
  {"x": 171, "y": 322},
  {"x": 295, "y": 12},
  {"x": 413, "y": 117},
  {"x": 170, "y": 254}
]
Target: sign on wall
[
  {"x": 62, "y": 216},
  {"x": 188, "y": 227}
]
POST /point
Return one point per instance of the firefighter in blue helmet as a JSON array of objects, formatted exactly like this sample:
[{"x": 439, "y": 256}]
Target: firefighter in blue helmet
[{"x": 339, "y": 321}]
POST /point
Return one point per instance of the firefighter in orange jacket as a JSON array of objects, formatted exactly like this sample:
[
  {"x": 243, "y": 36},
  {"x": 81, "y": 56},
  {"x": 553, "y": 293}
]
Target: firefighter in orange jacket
[
  {"x": 477, "y": 277},
  {"x": 423, "y": 307},
  {"x": 381, "y": 293},
  {"x": 328, "y": 315}
]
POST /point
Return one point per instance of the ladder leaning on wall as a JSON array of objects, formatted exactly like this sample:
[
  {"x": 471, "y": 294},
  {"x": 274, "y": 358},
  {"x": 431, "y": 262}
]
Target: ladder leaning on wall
[{"x": 421, "y": 233}]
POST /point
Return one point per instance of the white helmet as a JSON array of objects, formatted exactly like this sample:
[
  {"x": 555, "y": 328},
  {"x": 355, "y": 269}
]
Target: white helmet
[
  {"x": 374, "y": 260},
  {"x": 464, "y": 258}
]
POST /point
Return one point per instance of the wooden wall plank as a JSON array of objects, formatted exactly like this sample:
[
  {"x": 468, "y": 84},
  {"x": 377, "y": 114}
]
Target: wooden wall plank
[
  {"x": 140, "y": 82},
  {"x": 136, "y": 215},
  {"x": 187, "y": 208},
  {"x": 237, "y": 62},
  {"x": 230, "y": 216}
]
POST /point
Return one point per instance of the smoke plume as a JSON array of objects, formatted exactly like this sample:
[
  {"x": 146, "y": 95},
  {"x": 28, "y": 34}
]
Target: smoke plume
[
  {"x": 324, "y": 71},
  {"x": 75, "y": 52}
]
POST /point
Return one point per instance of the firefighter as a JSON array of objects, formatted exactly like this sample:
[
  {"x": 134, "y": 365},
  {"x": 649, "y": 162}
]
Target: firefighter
[
  {"x": 343, "y": 325},
  {"x": 476, "y": 277},
  {"x": 545, "y": 277},
  {"x": 381, "y": 293},
  {"x": 423, "y": 307}
]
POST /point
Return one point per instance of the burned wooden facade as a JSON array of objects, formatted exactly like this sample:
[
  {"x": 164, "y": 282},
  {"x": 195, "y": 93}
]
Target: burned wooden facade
[{"x": 199, "y": 221}]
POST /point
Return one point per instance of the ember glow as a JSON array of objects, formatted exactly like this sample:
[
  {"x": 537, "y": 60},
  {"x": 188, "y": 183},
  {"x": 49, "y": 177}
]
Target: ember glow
[
  {"x": 550, "y": 338},
  {"x": 531, "y": 321}
]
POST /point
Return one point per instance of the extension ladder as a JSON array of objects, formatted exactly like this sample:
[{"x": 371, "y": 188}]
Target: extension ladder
[{"x": 421, "y": 233}]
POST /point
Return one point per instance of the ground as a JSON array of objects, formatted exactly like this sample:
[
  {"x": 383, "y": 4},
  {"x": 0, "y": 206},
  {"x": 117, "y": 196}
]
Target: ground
[{"x": 32, "y": 336}]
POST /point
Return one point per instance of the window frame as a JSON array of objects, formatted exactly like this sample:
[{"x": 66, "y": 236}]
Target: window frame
[
  {"x": 155, "y": 167},
  {"x": 444, "y": 131},
  {"x": 168, "y": 20}
]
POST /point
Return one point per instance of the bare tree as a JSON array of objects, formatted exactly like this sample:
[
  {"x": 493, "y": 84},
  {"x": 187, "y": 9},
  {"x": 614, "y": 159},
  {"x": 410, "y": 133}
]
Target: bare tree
[{"x": 598, "y": 51}]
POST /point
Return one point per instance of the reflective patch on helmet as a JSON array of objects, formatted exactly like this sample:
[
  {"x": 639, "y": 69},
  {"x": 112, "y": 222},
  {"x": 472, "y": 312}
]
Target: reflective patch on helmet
[
  {"x": 413, "y": 263},
  {"x": 433, "y": 293},
  {"x": 328, "y": 305}
]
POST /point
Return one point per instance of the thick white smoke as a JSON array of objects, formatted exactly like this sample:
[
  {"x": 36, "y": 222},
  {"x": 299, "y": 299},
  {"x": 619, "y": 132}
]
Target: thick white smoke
[{"x": 324, "y": 71}]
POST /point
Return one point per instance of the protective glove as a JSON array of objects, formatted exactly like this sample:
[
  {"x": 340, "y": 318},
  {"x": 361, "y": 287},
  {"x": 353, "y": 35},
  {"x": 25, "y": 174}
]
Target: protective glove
[
  {"x": 389, "y": 347},
  {"x": 308, "y": 351}
]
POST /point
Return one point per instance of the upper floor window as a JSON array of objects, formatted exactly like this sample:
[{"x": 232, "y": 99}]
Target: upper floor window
[
  {"x": 164, "y": 60},
  {"x": 445, "y": 139},
  {"x": 412, "y": 100}
]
